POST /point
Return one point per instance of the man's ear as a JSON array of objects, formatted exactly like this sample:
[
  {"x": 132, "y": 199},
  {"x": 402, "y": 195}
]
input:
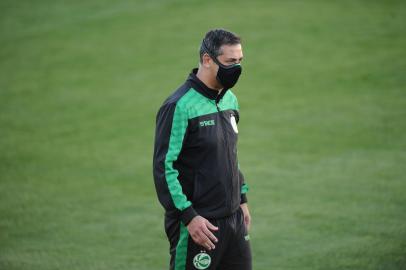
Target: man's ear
[{"x": 206, "y": 60}]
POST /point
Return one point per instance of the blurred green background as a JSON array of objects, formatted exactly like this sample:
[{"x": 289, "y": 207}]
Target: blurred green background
[{"x": 322, "y": 132}]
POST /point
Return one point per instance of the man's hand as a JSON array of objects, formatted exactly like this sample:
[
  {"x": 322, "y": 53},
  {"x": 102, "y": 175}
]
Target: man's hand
[
  {"x": 199, "y": 229},
  {"x": 247, "y": 216}
]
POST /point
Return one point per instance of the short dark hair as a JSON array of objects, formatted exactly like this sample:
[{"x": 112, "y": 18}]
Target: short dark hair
[{"x": 216, "y": 38}]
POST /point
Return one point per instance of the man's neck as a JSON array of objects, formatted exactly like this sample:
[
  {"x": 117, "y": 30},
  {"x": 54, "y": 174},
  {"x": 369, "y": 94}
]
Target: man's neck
[{"x": 210, "y": 83}]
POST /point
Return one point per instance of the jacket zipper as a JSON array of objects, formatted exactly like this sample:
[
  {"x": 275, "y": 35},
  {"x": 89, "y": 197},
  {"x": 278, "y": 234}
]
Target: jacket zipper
[
  {"x": 217, "y": 104},
  {"x": 229, "y": 203}
]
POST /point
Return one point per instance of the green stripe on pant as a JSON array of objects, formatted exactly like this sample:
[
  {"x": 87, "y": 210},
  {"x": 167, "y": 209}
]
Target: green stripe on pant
[{"x": 181, "y": 248}]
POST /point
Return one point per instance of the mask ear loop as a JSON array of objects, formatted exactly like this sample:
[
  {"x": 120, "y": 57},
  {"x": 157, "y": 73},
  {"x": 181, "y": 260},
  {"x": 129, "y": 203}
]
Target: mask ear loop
[{"x": 206, "y": 49}]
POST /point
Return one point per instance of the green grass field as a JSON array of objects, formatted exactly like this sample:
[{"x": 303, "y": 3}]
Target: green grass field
[{"x": 322, "y": 132}]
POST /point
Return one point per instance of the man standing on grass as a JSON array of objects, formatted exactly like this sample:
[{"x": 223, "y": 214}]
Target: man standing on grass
[{"x": 195, "y": 165}]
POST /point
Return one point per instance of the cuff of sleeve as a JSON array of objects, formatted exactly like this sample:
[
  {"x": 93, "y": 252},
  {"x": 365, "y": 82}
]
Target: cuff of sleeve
[
  {"x": 243, "y": 198},
  {"x": 187, "y": 215}
]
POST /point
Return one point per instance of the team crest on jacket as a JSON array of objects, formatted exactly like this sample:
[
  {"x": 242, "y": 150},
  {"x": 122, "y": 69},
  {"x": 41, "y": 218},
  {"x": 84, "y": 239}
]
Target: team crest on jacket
[
  {"x": 202, "y": 260},
  {"x": 234, "y": 123}
]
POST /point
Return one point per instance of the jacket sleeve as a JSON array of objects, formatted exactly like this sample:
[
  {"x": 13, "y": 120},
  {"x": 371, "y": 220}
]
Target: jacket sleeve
[{"x": 171, "y": 124}]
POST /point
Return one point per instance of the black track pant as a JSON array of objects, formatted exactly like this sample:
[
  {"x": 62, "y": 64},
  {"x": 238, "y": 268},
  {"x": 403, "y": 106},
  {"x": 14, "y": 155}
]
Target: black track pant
[{"x": 232, "y": 250}]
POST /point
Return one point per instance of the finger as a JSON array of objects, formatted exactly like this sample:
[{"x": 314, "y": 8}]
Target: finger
[
  {"x": 208, "y": 246},
  {"x": 206, "y": 241},
  {"x": 211, "y": 226},
  {"x": 209, "y": 234},
  {"x": 201, "y": 242}
]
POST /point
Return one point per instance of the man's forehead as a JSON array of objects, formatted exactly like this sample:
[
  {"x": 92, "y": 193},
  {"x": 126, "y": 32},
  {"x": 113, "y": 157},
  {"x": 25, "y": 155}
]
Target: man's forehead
[{"x": 231, "y": 51}]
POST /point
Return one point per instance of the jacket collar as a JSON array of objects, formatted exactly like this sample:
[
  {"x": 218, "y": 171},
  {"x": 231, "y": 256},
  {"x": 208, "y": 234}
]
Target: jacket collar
[{"x": 199, "y": 86}]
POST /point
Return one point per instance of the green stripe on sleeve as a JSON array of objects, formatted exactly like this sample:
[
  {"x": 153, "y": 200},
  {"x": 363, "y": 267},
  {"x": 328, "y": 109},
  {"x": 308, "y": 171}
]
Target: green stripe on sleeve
[{"x": 179, "y": 125}]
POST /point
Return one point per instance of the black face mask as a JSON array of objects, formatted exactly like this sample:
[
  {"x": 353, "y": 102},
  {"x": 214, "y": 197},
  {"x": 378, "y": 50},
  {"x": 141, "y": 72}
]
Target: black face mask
[{"x": 227, "y": 76}]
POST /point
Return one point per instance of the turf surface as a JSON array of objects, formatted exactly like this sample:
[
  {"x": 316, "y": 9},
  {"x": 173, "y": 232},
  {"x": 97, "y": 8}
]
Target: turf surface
[{"x": 322, "y": 131}]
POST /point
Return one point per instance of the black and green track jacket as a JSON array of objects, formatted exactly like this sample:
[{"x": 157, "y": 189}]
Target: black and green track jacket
[{"x": 195, "y": 164}]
